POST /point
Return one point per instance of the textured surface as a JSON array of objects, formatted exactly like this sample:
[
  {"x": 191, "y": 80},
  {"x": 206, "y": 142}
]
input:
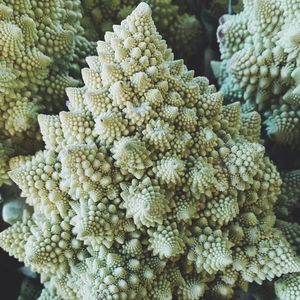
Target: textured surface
[
  {"x": 287, "y": 209},
  {"x": 288, "y": 287},
  {"x": 260, "y": 65},
  {"x": 181, "y": 29},
  {"x": 37, "y": 51},
  {"x": 149, "y": 188}
]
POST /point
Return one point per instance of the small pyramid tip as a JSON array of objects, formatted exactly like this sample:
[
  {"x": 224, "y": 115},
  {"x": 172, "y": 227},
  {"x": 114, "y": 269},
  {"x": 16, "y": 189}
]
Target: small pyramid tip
[{"x": 144, "y": 8}]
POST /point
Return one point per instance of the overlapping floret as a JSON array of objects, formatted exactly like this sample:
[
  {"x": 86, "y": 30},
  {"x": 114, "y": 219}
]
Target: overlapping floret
[
  {"x": 260, "y": 65},
  {"x": 179, "y": 27},
  {"x": 149, "y": 188},
  {"x": 288, "y": 287},
  {"x": 287, "y": 208},
  {"x": 39, "y": 46}
]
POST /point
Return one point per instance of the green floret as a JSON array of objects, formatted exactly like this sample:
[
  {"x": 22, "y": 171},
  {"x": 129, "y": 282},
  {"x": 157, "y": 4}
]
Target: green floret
[
  {"x": 288, "y": 287},
  {"x": 287, "y": 209},
  {"x": 180, "y": 28},
  {"x": 5, "y": 152},
  {"x": 148, "y": 187},
  {"x": 47, "y": 295},
  {"x": 292, "y": 233},
  {"x": 41, "y": 44},
  {"x": 260, "y": 66}
]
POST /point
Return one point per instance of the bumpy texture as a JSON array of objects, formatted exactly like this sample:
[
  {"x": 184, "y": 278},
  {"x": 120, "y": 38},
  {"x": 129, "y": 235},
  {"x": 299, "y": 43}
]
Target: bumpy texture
[
  {"x": 288, "y": 287},
  {"x": 181, "y": 29},
  {"x": 5, "y": 151},
  {"x": 287, "y": 208},
  {"x": 37, "y": 50},
  {"x": 260, "y": 66},
  {"x": 149, "y": 188}
]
